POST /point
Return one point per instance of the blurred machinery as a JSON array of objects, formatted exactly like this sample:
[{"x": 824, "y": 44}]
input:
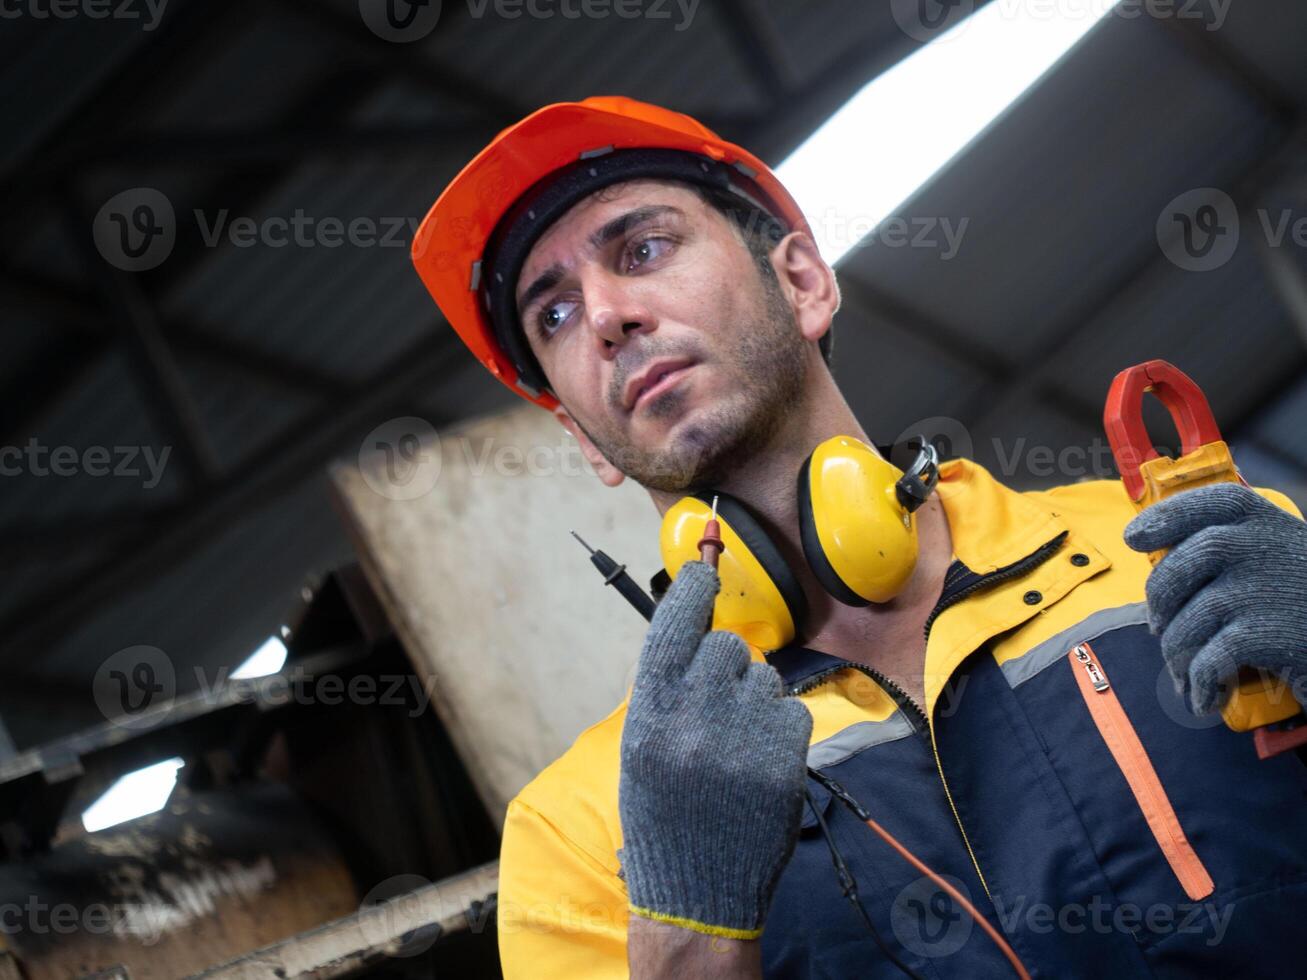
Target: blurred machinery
[{"x": 333, "y": 829}]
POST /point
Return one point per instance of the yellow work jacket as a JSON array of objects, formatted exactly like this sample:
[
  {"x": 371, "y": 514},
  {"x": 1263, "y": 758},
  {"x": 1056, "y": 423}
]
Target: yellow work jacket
[{"x": 1154, "y": 842}]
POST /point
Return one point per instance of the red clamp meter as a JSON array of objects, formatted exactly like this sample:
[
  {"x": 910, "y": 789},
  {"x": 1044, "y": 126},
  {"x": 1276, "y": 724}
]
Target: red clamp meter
[{"x": 1256, "y": 702}]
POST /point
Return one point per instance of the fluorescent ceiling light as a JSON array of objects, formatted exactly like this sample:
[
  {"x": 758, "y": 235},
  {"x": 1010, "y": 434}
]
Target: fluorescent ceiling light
[
  {"x": 134, "y": 795},
  {"x": 895, "y": 134},
  {"x": 267, "y": 659}
]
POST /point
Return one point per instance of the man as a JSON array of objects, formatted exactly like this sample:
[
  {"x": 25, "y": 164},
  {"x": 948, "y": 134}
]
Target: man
[{"x": 657, "y": 289}]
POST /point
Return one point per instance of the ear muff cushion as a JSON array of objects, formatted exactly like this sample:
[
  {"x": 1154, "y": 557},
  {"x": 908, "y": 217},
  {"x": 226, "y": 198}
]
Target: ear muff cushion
[
  {"x": 761, "y": 546},
  {"x": 812, "y": 549}
]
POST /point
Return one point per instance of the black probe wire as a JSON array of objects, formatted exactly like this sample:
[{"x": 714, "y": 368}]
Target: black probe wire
[
  {"x": 840, "y": 793},
  {"x": 849, "y": 885},
  {"x": 616, "y": 576}
]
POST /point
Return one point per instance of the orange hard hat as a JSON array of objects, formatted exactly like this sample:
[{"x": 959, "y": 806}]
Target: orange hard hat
[{"x": 458, "y": 247}]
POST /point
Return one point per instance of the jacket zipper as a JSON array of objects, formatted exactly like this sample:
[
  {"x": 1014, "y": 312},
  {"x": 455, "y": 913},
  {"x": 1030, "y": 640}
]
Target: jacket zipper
[
  {"x": 913, "y": 711},
  {"x": 1123, "y": 742},
  {"x": 916, "y": 718},
  {"x": 915, "y": 714}
]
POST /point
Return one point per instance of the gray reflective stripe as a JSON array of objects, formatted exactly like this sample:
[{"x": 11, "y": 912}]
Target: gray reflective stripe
[
  {"x": 858, "y": 737},
  {"x": 1053, "y": 649}
]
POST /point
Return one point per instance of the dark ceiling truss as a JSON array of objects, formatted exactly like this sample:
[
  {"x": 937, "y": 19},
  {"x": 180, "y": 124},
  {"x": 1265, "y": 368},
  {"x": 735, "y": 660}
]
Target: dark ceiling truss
[
  {"x": 122, "y": 313},
  {"x": 1033, "y": 375}
]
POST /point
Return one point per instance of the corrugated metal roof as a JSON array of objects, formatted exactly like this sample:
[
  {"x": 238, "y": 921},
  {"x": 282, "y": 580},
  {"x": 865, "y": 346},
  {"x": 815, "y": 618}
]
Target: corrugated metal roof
[{"x": 296, "y": 107}]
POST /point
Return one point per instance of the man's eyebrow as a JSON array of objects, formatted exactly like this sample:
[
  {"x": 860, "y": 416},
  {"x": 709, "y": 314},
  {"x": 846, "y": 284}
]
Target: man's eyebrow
[
  {"x": 615, "y": 228},
  {"x": 625, "y": 222},
  {"x": 547, "y": 280}
]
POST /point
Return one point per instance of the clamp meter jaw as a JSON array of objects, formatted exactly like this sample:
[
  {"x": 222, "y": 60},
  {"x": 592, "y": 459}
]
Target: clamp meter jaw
[{"x": 1149, "y": 477}]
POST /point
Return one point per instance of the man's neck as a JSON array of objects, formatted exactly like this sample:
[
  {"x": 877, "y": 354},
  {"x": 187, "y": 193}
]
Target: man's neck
[{"x": 886, "y": 636}]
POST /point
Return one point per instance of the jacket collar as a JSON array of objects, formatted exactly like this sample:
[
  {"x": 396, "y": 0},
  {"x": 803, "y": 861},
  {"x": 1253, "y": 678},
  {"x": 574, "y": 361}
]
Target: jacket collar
[
  {"x": 1006, "y": 545},
  {"x": 1016, "y": 548}
]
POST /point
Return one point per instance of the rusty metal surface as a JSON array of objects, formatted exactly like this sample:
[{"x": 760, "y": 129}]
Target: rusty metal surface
[
  {"x": 208, "y": 877},
  {"x": 354, "y": 944}
]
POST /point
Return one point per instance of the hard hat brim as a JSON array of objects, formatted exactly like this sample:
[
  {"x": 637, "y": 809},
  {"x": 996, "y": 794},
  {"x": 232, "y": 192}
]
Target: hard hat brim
[{"x": 449, "y": 246}]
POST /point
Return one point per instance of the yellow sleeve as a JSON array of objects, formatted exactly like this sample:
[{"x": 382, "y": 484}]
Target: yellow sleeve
[{"x": 561, "y": 913}]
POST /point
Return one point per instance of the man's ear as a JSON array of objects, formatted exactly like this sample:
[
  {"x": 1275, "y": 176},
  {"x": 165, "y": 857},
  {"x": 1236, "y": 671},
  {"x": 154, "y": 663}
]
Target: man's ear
[
  {"x": 807, "y": 282},
  {"x": 608, "y": 473}
]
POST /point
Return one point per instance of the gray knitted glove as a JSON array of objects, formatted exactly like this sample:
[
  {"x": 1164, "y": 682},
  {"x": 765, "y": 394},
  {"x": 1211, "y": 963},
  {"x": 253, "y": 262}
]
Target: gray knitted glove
[
  {"x": 713, "y": 771},
  {"x": 1231, "y": 593}
]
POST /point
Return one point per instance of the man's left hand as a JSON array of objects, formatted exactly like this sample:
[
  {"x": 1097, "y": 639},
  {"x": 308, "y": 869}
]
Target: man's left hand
[{"x": 1231, "y": 592}]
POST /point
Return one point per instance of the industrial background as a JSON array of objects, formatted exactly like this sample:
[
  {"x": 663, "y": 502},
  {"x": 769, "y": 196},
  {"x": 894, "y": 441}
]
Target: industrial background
[{"x": 257, "y": 365}]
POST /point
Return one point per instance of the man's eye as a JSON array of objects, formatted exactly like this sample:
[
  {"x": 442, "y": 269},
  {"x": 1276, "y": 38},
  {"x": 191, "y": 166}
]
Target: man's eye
[
  {"x": 648, "y": 249},
  {"x": 554, "y": 316}
]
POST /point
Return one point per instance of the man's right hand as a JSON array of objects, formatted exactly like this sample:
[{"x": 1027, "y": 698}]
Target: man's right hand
[{"x": 713, "y": 771}]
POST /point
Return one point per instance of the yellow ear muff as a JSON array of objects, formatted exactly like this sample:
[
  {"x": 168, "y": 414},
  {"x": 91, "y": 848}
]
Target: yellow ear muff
[
  {"x": 859, "y": 540},
  {"x": 760, "y": 599}
]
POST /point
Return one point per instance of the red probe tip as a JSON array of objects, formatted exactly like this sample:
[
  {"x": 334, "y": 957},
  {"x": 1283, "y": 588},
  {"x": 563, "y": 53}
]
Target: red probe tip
[{"x": 710, "y": 545}]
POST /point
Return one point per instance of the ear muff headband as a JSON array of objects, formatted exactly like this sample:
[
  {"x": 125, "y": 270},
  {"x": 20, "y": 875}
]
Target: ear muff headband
[{"x": 812, "y": 549}]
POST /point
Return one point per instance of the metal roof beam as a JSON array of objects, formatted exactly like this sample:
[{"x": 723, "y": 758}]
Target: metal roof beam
[{"x": 268, "y": 474}]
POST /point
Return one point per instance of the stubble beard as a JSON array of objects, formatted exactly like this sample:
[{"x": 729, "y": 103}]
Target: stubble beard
[{"x": 767, "y": 370}]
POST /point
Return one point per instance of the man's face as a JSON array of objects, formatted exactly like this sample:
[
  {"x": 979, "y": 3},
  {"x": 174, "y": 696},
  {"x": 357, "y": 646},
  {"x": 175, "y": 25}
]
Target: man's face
[{"x": 643, "y": 277}]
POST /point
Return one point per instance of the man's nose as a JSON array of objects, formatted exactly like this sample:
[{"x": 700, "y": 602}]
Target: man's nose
[{"x": 615, "y": 312}]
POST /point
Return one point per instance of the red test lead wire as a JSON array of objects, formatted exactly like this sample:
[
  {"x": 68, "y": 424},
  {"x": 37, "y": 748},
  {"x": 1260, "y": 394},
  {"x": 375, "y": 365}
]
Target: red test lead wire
[{"x": 710, "y": 545}]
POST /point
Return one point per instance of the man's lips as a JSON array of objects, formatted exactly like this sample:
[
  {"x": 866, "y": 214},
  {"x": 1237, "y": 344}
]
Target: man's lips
[{"x": 657, "y": 378}]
